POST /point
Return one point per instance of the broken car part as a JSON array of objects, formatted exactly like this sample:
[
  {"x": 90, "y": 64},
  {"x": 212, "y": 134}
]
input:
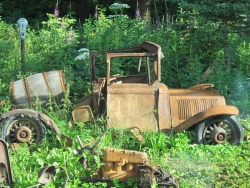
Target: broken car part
[{"x": 121, "y": 164}]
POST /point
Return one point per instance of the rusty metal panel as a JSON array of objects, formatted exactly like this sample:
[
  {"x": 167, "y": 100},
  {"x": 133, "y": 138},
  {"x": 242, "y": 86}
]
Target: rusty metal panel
[
  {"x": 132, "y": 105},
  {"x": 164, "y": 108},
  {"x": 195, "y": 101}
]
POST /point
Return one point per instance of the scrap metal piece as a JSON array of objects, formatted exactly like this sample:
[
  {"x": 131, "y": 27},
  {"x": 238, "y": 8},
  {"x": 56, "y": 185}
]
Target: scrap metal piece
[
  {"x": 67, "y": 140},
  {"x": 124, "y": 164},
  {"x": 46, "y": 175},
  {"x": 5, "y": 167},
  {"x": 151, "y": 175}
]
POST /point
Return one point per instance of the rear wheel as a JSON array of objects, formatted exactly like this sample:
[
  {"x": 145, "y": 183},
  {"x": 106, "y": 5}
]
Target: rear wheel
[
  {"x": 218, "y": 130},
  {"x": 22, "y": 128}
]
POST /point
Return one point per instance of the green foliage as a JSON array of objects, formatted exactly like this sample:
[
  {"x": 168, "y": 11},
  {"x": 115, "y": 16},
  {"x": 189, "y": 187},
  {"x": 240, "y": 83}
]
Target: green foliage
[
  {"x": 188, "y": 52},
  {"x": 243, "y": 52},
  {"x": 54, "y": 43},
  {"x": 216, "y": 10},
  {"x": 8, "y": 59}
]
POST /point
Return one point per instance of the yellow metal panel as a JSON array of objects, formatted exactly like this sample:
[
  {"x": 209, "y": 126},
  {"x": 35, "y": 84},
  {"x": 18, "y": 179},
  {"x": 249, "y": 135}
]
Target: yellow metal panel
[{"x": 132, "y": 105}]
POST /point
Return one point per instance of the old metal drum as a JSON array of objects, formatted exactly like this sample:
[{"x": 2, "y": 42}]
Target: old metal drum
[{"x": 40, "y": 87}]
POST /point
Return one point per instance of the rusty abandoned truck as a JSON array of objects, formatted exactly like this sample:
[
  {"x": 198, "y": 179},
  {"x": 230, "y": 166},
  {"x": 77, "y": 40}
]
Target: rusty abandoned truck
[
  {"x": 128, "y": 98},
  {"x": 143, "y": 101}
]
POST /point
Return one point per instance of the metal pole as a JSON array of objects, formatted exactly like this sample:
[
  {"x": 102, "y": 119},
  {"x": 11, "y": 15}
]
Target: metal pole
[{"x": 22, "y": 55}]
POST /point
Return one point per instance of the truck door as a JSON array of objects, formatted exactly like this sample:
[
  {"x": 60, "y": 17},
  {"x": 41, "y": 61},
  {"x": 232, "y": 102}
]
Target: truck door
[{"x": 135, "y": 105}]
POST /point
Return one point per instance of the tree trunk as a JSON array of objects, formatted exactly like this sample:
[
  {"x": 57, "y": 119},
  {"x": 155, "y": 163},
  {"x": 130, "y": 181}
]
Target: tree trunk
[
  {"x": 227, "y": 55},
  {"x": 81, "y": 9},
  {"x": 144, "y": 7}
]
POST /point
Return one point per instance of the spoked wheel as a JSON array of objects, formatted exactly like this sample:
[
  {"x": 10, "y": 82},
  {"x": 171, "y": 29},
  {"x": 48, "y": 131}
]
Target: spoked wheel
[
  {"x": 218, "y": 130},
  {"x": 23, "y": 128}
]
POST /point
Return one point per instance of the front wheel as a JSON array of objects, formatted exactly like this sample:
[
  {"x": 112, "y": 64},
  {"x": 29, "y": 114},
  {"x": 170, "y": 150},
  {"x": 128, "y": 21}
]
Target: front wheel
[
  {"x": 218, "y": 130},
  {"x": 22, "y": 128}
]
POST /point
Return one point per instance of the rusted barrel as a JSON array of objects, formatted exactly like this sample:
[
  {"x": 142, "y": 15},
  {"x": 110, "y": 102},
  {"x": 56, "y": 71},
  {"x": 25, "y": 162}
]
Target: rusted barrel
[{"x": 38, "y": 87}]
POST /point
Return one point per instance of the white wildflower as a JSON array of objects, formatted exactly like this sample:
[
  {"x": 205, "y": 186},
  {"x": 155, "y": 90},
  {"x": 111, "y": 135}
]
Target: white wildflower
[
  {"x": 83, "y": 50},
  {"x": 84, "y": 54},
  {"x": 119, "y": 6}
]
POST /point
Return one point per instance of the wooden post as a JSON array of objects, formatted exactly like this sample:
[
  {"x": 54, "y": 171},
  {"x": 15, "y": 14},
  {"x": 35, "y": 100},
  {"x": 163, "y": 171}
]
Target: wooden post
[{"x": 22, "y": 55}]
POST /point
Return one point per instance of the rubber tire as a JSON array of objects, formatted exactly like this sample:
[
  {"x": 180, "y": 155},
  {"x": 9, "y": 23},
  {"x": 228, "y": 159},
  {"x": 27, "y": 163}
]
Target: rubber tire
[
  {"x": 230, "y": 119},
  {"x": 36, "y": 123}
]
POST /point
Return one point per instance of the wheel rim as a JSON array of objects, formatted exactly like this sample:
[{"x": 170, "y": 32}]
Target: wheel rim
[
  {"x": 23, "y": 134},
  {"x": 23, "y": 130},
  {"x": 219, "y": 132}
]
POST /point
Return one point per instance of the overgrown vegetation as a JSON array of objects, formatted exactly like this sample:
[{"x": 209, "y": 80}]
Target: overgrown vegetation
[
  {"x": 190, "y": 47},
  {"x": 192, "y": 165}
]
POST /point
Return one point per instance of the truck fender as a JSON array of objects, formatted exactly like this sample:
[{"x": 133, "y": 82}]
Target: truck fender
[
  {"x": 48, "y": 122},
  {"x": 215, "y": 111}
]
